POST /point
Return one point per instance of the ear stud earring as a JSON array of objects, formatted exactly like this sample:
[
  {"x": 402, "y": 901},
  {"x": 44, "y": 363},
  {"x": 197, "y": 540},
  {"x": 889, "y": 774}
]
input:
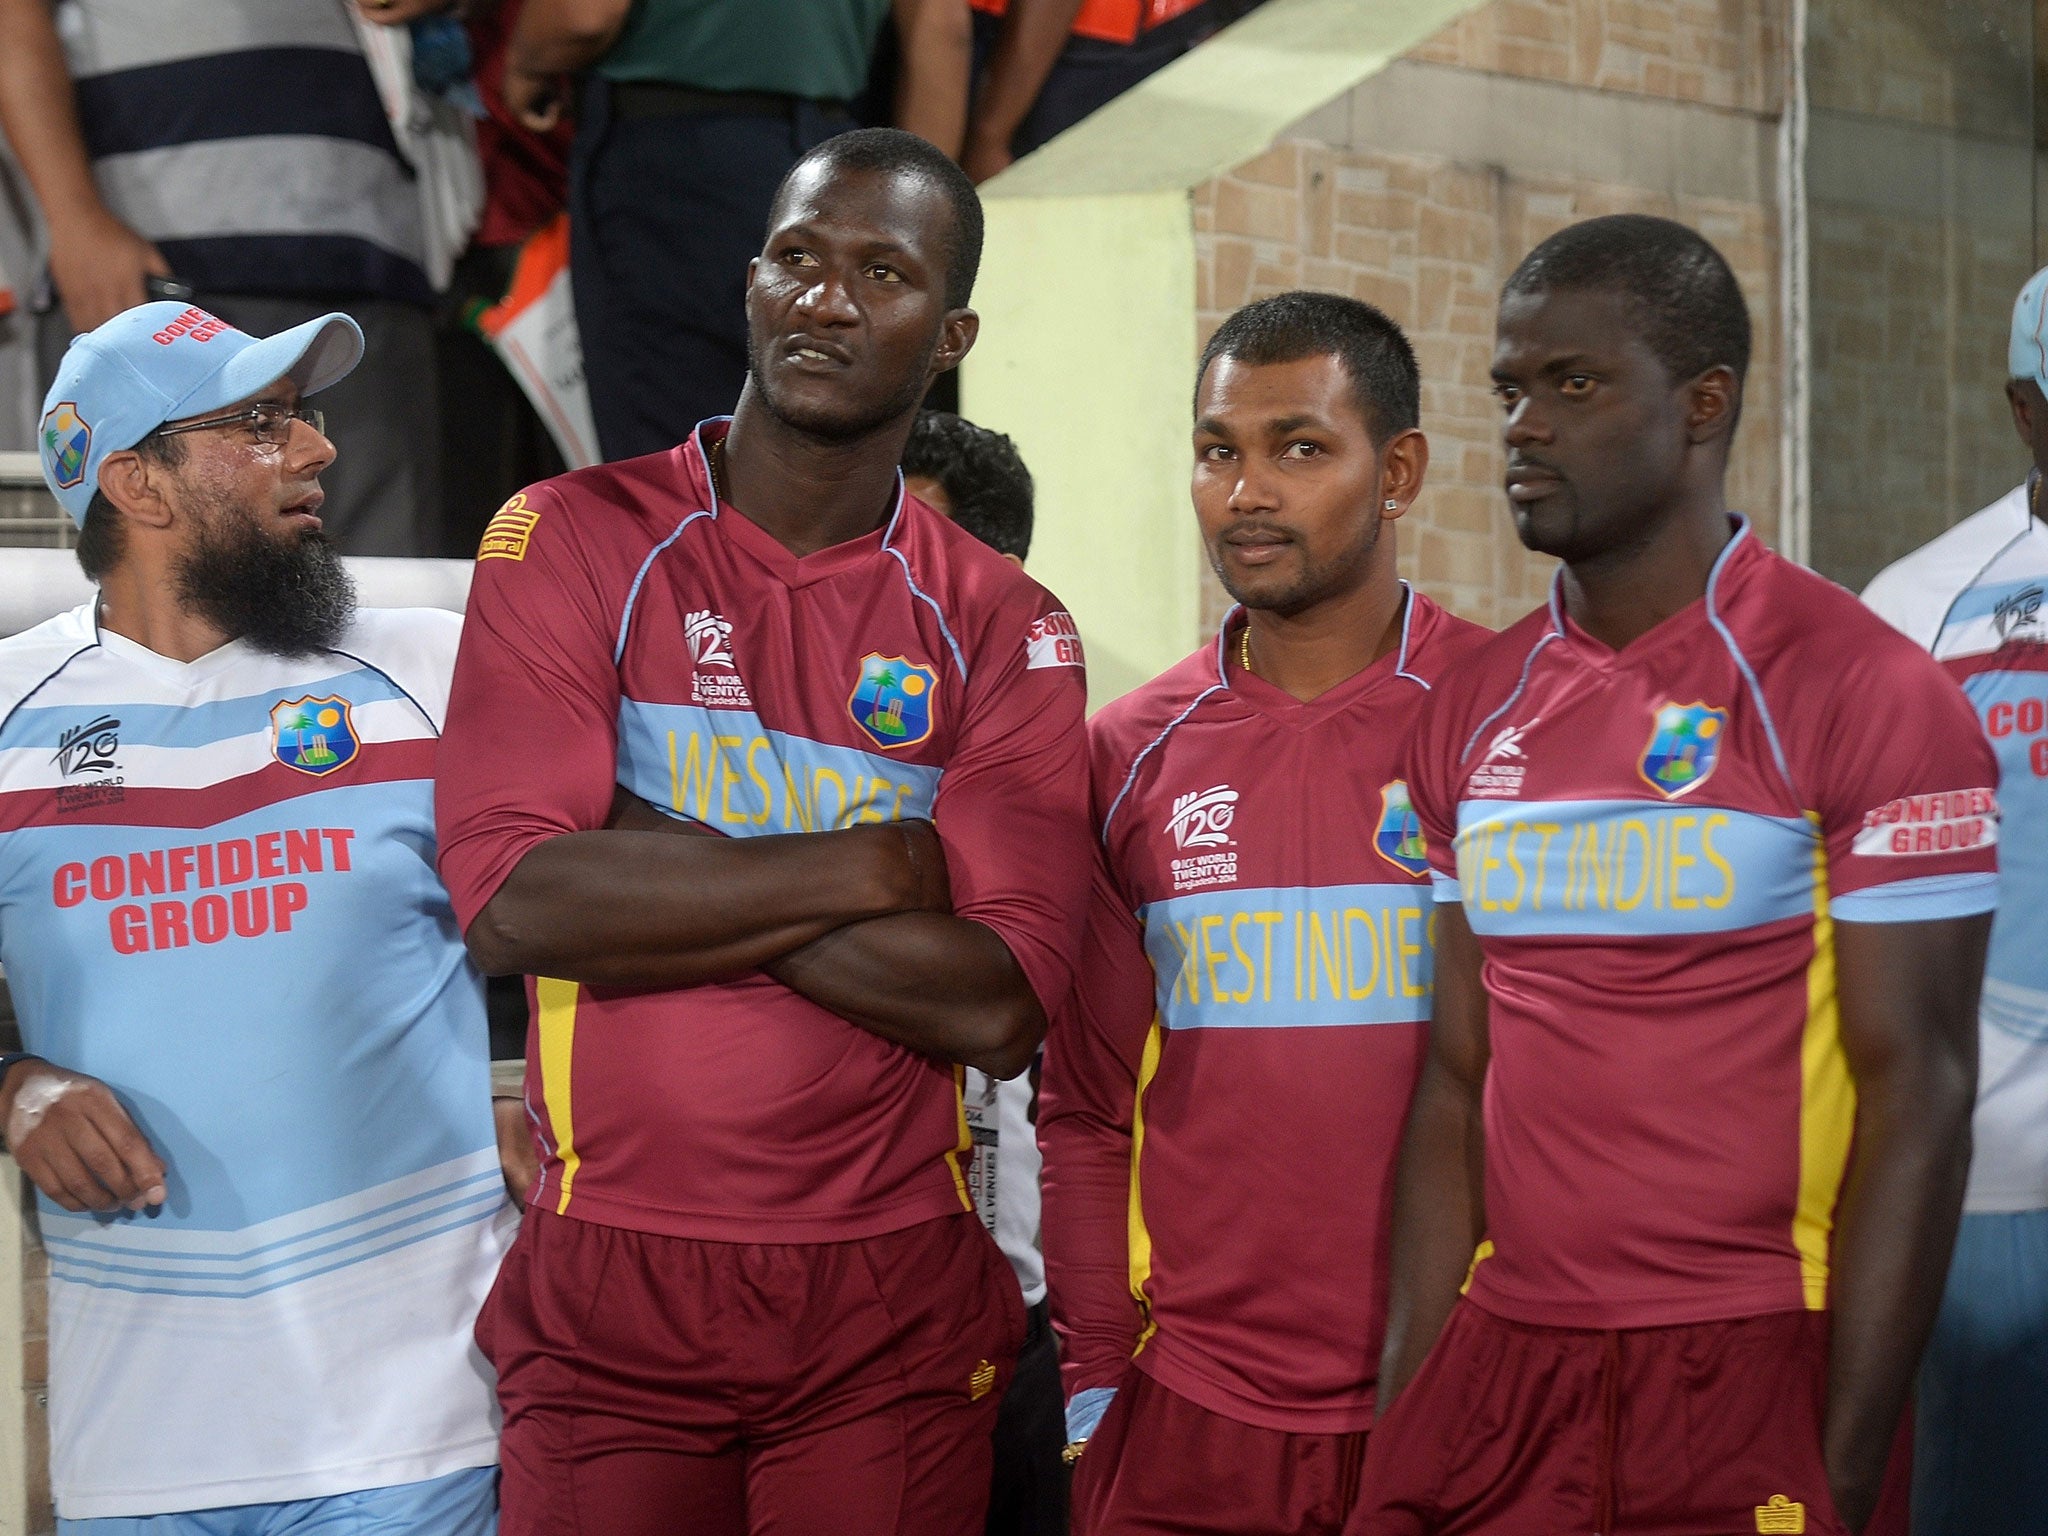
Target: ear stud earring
[{"x": 1393, "y": 505}]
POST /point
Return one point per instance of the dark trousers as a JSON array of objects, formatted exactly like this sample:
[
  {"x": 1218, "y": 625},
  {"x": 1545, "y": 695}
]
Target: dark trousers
[
  {"x": 665, "y": 212},
  {"x": 1029, "y": 1496}
]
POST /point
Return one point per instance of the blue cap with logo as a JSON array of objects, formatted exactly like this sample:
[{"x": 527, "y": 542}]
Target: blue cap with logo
[
  {"x": 2027, "y": 352},
  {"x": 167, "y": 362}
]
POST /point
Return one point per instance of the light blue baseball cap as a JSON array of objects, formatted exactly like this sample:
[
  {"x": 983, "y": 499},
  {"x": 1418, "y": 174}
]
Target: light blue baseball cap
[
  {"x": 166, "y": 362},
  {"x": 2027, "y": 352}
]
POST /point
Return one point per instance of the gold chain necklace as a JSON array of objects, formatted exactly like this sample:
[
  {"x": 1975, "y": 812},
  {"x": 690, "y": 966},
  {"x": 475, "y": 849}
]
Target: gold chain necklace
[
  {"x": 715, "y": 462},
  {"x": 1244, "y": 646}
]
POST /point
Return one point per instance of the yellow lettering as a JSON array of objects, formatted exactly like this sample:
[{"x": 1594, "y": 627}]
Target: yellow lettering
[
  {"x": 1297, "y": 955},
  {"x": 1190, "y": 978},
  {"x": 1623, "y": 902},
  {"x": 1251, "y": 977},
  {"x": 1372, "y": 943},
  {"x": 1266, "y": 920},
  {"x": 1603, "y": 876},
  {"x": 1325, "y": 956},
  {"x": 1409, "y": 951},
  {"x": 728, "y": 775},
  {"x": 695, "y": 781},
  {"x": 761, "y": 744},
  {"x": 800, "y": 800},
  {"x": 838, "y": 818},
  {"x": 1714, "y": 858},
  {"x": 1487, "y": 864},
  {"x": 902, "y": 794},
  {"x": 1679, "y": 861},
  {"x": 1211, "y": 955},
  {"x": 1545, "y": 831},
  {"x": 1657, "y": 865}
]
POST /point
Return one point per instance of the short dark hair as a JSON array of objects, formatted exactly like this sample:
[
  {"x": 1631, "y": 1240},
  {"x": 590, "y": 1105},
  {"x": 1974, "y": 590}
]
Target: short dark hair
[
  {"x": 1291, "y": 326},
  {"x": 897, "y": 153},
  {"x": 103, "y": 537},
  {"x": 983, "y": 474},
  {"x": 1682, "y": 289}
]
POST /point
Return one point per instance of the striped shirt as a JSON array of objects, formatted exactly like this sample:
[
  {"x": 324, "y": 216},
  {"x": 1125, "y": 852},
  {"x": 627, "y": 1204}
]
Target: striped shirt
[
  {"x": 217, "y": 895},
  {"x": 246, "y": 139}
]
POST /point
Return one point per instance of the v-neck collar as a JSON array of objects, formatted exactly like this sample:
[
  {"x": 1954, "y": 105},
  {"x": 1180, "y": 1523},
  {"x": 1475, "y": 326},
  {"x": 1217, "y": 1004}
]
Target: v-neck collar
[
  {"x": 1736, "y": 556},
  {"x": 1276, "y": 702},
  {"x": 757, "y": 542},
  {"x": 184, "y": 675}
]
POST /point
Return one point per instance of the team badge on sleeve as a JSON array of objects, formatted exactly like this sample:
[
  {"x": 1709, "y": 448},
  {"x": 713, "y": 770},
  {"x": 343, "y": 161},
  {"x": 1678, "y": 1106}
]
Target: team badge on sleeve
[
  {"x": 67, "y": 440},
  {"x": 1399, "y": 838},
  {"x": 506, "y": 534},
  {"x": 892, "y": 701},
  {"x": 315, "y": 736},
  {"x": 1685, "y": 743}
]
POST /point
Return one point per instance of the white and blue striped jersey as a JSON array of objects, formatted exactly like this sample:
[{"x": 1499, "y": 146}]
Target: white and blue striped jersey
[
  {"x": 1973, "y": 598},
  {"x": 218, "y": 895}
]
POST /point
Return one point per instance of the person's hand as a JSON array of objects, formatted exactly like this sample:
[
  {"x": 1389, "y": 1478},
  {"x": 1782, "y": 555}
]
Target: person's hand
[
  {"x": 98, "y": 264},
  {"x": 517, "y": 1155},
  {"x": 986, "y": 155},
  {"x": 392, "y": 13},
  {"x": 536, "y": 100},
  {"x": 73, "y": 1139}
]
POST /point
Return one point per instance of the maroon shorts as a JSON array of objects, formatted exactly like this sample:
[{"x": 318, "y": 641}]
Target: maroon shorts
[
  {"x": 1158, "y": 1465},
  {"x": 659, "y": 1384},
  {"x": 1708, "y": 1430}
]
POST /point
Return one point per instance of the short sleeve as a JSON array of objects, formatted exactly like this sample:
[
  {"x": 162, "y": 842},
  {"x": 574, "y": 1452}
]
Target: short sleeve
[
  {"x": 1906, "y": 792},
  {"x": 530, "y": 749},
  {"x": 1012, "y": 807}
]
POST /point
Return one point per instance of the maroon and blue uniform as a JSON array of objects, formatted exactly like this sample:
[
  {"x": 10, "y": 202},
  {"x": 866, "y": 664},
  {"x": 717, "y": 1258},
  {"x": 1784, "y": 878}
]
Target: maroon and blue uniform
[
  {"x": 1654, "y": 847},
  {"x": 626, "y": 628},
  {"x": 1222, "y": 1102}
]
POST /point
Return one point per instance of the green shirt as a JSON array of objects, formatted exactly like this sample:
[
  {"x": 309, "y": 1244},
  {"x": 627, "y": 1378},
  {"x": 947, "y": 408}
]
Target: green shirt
[{"x": 815, "y": 48}]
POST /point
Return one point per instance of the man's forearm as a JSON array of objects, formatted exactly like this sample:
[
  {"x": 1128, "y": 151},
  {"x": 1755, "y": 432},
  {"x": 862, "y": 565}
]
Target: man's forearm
[
  {"x": 1033, "y": 34},
  {"x": 651, "y": 909},
  {"x": 560, "y": 37},
  {"x": 40, "y": 114},
  {"x": 1897, "y": 1228},
  {"x": 947, "y": 986},
  {"x": 1438, "y": 1221}
]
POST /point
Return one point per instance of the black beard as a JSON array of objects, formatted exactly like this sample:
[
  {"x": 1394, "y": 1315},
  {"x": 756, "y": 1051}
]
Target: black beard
[{"x": 290, "y": 599}]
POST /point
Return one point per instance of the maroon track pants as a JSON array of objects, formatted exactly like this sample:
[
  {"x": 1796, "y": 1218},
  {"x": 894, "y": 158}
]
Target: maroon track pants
[
  {"x": 1159, "y": 1465},
  {"x": 1712, "y": 1429},
  {"x": 666, "y": 1385}
]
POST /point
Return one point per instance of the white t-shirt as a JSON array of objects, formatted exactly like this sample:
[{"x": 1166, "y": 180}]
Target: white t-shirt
[
  {"x": 1975, "y": 598},
  {"x": 218, "y": 895},
  {"x": 1002, "y": 1173}
]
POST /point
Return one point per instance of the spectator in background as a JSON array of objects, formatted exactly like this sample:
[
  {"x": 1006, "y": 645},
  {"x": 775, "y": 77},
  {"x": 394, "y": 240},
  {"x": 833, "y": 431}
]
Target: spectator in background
[
  {"x": 492, "y": 440},
  {"x": 975, "y": 477},
  {"x": 694, "y": 112},
  {"x": 237, "y": 149},
  {"x": 1052, "y": 62}
]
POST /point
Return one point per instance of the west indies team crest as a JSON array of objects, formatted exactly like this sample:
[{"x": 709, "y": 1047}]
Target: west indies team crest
[
  {"x": 315, "y": 736},
  {"x": 892, "y": 701},
  {"x": 1399, "y": 838},
  {"x": 67, "y": 439},
  {"x": 1685, "y": 743}
]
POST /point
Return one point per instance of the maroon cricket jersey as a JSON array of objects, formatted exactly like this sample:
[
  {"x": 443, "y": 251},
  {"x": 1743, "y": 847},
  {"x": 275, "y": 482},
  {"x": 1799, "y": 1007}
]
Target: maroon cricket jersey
[
  {"x": 1653, "y": 847},
  {"x": 1221, "y": 1103},
  {"x": 623, "y": 628}
]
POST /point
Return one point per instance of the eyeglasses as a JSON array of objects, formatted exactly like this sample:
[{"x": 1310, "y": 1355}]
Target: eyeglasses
[{"x": 270, "y": 423}]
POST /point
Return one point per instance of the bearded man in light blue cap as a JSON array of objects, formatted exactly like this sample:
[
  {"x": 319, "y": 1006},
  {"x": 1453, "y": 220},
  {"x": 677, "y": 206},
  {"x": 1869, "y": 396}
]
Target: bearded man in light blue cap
[
  {"x": 1975, "y": 598},
  {"x": 255, "y": 1103}
]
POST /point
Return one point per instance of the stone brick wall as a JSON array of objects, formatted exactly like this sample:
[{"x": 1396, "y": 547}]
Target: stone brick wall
[
  {"x": 1430, "y": 236},
  {"x": 1723, "y": 53}
]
